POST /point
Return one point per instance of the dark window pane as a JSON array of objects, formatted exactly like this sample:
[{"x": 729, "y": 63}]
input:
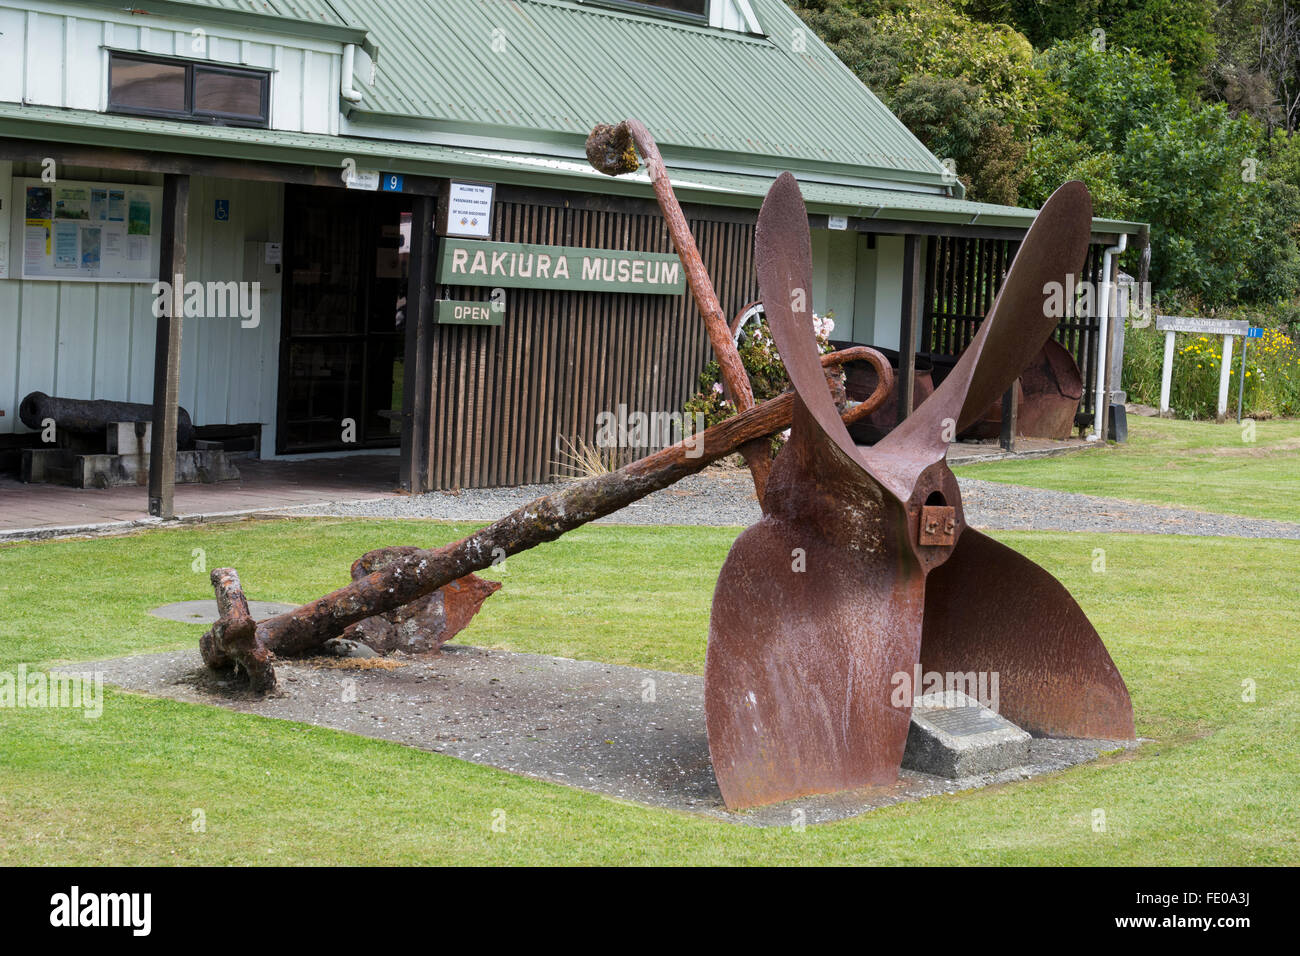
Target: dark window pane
[
  {"x": 700, "y": 7},
  {"x": 147, "y": 86},
  {"x": 238, "y": 94}
]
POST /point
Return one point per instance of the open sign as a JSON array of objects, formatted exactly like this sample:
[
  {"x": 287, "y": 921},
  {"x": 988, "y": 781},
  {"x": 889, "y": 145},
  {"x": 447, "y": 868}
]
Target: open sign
[{"x": 452, "y": 312}]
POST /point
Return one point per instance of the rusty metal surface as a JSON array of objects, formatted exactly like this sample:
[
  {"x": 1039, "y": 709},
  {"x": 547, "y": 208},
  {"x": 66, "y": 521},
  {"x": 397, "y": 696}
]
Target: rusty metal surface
[
  {"x": 613, "y": 150},
  {"x": 991, "y": 609},
  {"x": 820, "y": 603},
  {"x": 428, "y": 622},
  {"x": 860, "y": 378},
  {"x": 1050, "y": 388},
  {"x": 414, "y": 574},
  {"x": 938, "y": 526},
  {"x": 1047, "y": 398},
  {"x": 823, "y": 603},
  {"x": 868, "y": 402},
  {"x": 1011, "y": 334}
]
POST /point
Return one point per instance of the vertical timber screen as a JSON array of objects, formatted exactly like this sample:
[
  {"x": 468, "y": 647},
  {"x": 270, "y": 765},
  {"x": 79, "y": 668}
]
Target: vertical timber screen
[
  {"x": 963, "y": 275},
  {"x": 507, "y": 400}
]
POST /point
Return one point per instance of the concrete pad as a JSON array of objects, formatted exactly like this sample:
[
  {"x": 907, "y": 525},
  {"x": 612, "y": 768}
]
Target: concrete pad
[
  {"x": 205, "y": 612},
  {"x": 624, "y": 732},
  {"x": 954, "y": 736}
]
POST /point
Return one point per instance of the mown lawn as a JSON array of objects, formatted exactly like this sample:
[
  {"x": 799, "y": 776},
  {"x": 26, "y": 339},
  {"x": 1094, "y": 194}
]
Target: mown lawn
[
  {"x": 1187, "y": 620},
  {"x": 1190, "y": 464}
]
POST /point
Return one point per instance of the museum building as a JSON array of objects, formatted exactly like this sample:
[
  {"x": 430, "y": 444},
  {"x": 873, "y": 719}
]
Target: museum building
[{"x": 389, "y": 239}]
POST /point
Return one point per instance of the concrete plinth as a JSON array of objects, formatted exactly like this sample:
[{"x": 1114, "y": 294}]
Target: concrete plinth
[{"x": 952, "y": 735}]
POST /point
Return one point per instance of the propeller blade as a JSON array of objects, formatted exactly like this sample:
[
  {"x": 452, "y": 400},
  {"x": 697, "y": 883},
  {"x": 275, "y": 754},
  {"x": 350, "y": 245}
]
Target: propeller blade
[
  {"x": 816, "y": 609},
  {"x": 783, "y": 261},
  {"x": 824, "y": 602},
  {"x": 1012, "y": 333},
  {"x": 990, "y": 609}
]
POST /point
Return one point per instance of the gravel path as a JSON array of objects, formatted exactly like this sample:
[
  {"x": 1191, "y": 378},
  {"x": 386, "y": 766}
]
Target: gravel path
[{"x": 724, "y": 496}]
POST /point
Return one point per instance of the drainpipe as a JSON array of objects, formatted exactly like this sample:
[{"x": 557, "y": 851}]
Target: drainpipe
[
  {"x": 345, "y": 83},
  {"x": 1103, "y": 320}
]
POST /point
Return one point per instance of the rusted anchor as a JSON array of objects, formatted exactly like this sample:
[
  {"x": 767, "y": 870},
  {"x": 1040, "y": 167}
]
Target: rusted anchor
[
  {"x": 863, "y": 566},
  {"x": 613, "y": 151}
]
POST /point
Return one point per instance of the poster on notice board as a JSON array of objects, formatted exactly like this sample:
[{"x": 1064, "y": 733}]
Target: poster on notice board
[{"x": 85, "y": 232}]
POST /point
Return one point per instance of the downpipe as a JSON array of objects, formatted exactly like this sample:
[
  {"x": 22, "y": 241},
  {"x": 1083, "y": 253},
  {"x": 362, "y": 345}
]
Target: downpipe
[{"x": 1103, "y": 334}]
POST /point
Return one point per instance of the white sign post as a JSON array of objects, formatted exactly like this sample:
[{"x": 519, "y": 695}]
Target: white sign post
[{"x": 1170, "y": 324}]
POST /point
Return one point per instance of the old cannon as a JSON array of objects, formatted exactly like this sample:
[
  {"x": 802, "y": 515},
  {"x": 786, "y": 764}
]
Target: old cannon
[{"x": 90, "y": 417}]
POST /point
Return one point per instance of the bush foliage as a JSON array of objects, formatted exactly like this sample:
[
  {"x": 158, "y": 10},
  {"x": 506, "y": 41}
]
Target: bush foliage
[{"x": 1175, "y": 113}]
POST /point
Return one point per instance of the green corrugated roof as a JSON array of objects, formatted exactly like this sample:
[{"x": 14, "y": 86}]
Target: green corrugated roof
[
  {"x": 566, "y": 66},
  {"x": 311, "y": 18},
  {"x": 729, "y": 110},
  {"x": 316, "y": 11},
  {"x": 113, "y": 130},
  {"x": 543, "y": 72}
]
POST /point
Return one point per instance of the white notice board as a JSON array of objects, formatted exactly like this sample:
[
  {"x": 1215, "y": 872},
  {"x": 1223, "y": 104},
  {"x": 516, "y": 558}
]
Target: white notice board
[
  {"x": 73, "y": 231},
  {"x": 469, "y": 210}
]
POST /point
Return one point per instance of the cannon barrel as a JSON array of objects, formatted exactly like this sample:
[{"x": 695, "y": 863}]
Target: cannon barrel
[{"x": 81, "y": 416}]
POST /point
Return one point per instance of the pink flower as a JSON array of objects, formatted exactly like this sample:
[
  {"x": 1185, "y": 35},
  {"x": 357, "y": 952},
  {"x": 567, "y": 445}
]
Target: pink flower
[{"x": 717, "y": 388}]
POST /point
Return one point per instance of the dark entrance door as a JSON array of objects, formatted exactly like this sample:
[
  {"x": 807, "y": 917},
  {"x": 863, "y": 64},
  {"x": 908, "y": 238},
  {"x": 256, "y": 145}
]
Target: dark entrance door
[{"x": 344, "y": 311}]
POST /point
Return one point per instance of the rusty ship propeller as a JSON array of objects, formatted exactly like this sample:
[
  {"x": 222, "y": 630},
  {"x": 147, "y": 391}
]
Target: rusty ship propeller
[{"x": 862, "y": 566}]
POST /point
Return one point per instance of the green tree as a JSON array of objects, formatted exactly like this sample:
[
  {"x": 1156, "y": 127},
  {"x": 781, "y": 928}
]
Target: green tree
[
  {"x": 1098, "y": 96},
  {"x": 1055, "y": 158},
  {"x": 934, "y": 38},
  {"x": 946, "y": 115},
  {"x": 1176, "y": 31},
  {"x": 1219, "y": 230},
  {"x": 1180, "y": 32},
  {"x": 1045, "y": 22}
]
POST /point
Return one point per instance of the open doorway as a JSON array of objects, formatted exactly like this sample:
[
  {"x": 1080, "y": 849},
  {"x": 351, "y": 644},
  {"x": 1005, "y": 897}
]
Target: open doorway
[{"x": 342, "y": 334}]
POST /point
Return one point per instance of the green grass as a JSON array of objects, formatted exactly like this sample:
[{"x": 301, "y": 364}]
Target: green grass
[
  {"x": 1187, "y": 619},
  {"x": 1197, "y": 465}
]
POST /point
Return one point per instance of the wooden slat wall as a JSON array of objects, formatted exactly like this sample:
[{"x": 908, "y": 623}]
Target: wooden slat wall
[
  {"x": 962, "y": 278},
  {"x": 506, "y": 398}
]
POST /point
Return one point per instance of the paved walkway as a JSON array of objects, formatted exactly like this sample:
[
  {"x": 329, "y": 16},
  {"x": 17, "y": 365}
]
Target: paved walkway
[
  {"x": 725, "y": 496},
  {"x": 363, "y": 487},
  {"x": 263, "y": 485},
  {"x": 275, "y": 485}
]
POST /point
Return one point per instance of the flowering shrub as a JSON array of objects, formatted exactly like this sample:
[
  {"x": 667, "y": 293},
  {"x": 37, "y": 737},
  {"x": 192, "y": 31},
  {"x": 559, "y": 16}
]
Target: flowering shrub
[
  {"x": 767, "y": 375},
  {"x": 1272, "y": 373}
]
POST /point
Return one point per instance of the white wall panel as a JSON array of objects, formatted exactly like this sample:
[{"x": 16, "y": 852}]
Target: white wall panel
[
  {"x": 96, "y": 340},
  {"x": 54, "y": 54},
  {"x": 9, "y": 397},
  {"x": 43, "y": 65},
  {"x": 83, "y": 72},
  {"x": 13, "y": 29}
]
